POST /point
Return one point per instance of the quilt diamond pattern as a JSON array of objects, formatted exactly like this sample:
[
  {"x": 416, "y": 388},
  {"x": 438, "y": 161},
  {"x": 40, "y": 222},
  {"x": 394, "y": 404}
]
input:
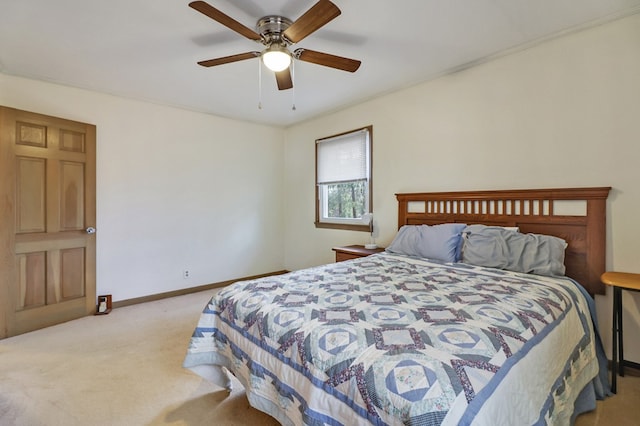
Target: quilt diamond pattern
[{"x": 395, "y": 340}]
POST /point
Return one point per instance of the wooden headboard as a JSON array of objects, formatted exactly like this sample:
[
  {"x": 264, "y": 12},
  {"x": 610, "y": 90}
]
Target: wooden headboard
[{"x": 540, "y": 211}]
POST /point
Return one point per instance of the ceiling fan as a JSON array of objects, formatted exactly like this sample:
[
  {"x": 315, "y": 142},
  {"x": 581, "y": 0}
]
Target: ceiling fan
[{"x": 277, "y": 33}]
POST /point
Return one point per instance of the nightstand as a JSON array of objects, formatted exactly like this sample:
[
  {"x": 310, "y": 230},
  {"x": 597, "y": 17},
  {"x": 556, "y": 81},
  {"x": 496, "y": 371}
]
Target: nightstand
[
  {"x": 354, "y": 252},
  {"x": 618, "y": 281}
]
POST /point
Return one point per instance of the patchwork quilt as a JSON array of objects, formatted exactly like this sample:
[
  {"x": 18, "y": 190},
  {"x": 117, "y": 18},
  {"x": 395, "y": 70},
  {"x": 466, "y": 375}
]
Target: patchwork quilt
[{"x": 394, "y": 340}]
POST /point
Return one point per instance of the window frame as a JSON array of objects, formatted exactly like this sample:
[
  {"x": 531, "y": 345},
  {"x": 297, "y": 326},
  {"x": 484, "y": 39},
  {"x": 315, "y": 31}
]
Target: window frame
[{"x": 346, "y": 224}]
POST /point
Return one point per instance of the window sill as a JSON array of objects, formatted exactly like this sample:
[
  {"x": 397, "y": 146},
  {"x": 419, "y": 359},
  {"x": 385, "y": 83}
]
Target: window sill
[{"x": 346, "y": 226}]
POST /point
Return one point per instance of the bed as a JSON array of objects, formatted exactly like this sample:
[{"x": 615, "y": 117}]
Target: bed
[{"x": 428, "y": 339}]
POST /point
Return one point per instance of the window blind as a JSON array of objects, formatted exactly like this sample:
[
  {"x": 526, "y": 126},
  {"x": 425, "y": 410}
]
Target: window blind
[{"x": 342, "y": 158}]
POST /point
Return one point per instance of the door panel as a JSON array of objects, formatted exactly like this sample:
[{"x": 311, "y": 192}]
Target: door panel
[
  {"x": 72, "y": 273},
  {"x": 72, "y": 196},
  {"x": 31, "y": 134},
  {"x": 47, "y": 180},
  {"x": 30, "y": 194},
  {"x": 31, "y": 280}
]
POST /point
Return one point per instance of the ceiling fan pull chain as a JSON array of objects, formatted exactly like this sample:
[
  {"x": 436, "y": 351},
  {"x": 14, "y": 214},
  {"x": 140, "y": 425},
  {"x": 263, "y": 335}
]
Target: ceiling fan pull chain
[
  {"x": 293, "y": 89},
  {"x": 259, "y": 84}
]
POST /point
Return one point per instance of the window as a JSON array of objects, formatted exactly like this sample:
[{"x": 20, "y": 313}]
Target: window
[{"x": 343, "y": 180}]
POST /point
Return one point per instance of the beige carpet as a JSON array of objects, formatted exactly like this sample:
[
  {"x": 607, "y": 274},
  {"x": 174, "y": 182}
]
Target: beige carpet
[{"x": 125, "y": 369}]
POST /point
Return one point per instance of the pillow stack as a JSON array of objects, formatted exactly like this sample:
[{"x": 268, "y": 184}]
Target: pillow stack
[{"x": 490, "y": 246}]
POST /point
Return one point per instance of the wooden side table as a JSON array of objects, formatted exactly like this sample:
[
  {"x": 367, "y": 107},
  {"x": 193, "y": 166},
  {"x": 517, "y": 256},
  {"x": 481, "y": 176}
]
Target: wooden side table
[
  {"x": 354, "y": 252},
  {"x": 618, "y": 281}
]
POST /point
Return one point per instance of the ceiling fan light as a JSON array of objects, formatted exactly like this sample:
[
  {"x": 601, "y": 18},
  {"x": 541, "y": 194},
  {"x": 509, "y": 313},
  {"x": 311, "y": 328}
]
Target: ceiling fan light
[{"x": 276, "y": 58}]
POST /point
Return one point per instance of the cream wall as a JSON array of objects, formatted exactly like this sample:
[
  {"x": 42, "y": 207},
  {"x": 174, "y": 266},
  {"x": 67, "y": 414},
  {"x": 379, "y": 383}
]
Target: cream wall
[
  {"x": 563, "y": 113},
  {"x": 175, "y": 190}
]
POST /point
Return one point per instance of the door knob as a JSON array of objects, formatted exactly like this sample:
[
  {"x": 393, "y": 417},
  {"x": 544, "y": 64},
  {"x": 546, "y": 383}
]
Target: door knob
[{"x": 91, "y": 230}]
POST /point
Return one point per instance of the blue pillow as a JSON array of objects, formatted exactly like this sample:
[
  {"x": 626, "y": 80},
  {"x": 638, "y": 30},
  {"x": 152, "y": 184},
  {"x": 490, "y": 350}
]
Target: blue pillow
[
  {"x": 496, "y": 247},
  {"x": 437, "y": 242}
]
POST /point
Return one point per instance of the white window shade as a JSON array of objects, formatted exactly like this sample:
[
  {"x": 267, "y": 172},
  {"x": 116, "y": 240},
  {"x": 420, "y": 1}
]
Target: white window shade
[{"x": 342, "y": 158}]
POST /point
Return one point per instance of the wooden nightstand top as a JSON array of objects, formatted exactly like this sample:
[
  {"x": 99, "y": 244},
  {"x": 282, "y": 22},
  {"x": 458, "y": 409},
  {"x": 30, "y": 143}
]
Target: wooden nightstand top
[
  {"x": 622, "y": 279},
  {"x": 357, "y": 250}
]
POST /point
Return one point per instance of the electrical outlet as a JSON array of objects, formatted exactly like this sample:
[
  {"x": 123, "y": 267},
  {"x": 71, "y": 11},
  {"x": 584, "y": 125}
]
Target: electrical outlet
[{"x": 185, "y": 274}]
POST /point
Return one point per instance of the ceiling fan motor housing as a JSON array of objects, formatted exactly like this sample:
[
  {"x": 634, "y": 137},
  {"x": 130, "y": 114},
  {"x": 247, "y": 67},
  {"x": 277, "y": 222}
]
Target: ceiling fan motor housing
[{"x": 271, "y": 28}]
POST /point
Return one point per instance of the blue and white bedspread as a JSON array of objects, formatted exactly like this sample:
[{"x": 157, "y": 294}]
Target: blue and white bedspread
[{"x": 394, "y": 340}]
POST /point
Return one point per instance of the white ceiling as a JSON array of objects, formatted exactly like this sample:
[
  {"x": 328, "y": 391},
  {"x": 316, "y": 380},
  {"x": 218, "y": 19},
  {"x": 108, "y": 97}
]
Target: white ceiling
[{"x": 148, "y": 49}]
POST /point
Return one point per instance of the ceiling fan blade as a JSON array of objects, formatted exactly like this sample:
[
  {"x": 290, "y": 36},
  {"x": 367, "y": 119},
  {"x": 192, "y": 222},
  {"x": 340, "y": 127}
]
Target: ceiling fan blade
[
  {"x": 283, "y": 78},
  {"x": 328, "y": 60},
  {"x": 213, "y": 13},
  {"x": 228, "y": 59},
  {"x": 314, "y": 18}
]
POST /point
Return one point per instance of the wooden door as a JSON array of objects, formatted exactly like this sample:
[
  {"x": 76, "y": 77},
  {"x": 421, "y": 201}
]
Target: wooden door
[{"x": 47, "y": 202}]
